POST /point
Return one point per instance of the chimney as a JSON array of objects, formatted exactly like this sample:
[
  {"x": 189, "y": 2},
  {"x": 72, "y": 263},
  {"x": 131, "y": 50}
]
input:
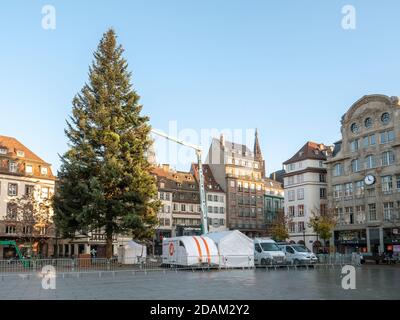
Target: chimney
[
  {"x": 165, "y": 167},
  {"x": 222, "y": 140}
]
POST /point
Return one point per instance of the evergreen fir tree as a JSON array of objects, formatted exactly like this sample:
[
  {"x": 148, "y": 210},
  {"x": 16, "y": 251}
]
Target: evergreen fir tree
[{"x": 105, "y": 181}]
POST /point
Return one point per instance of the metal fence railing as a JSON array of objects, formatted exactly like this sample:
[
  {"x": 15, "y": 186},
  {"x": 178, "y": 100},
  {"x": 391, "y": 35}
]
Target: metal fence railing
[{"x": 158, "y": 263}]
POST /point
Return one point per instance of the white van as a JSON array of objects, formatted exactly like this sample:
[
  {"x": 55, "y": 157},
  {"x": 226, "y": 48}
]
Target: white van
[
  {"x": 298, "y": 254},
  {"x": 267, "y": 252}
]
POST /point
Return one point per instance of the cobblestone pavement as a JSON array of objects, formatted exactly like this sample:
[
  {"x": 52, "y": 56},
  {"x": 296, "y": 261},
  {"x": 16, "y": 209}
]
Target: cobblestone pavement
[{"x": 373, "y": 282}]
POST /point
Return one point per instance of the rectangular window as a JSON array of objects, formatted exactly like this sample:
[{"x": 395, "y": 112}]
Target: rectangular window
[
  {"x": 12, "y": 189},
  {"x": 322, "y": 177},
  {"x": 388, "y": 211},
  {"x": 355, "y": 165},
  {"x": 45, "y": 193},
  {"x": 370, "y": 162},
  {"x": 354, "y": 145},
  {"x": 383, "y": 137},
  {"x": 291, "y": 211},
  {"x": 209, "y": 197},
  {"x": 338, "y": 170},
  {"x": 300, "y": 194},
  {"x": 339, "y": 213},
  {"x": 292, "y": 227},
  {"x": 390, "y": 136},
  {"x": 29, "y": 190},
  {"x": 372, "y": 211},
  {"x": 215, "y": 198},
  {"x": 387, "y": 184},
  {"x": 398, "y": 183},
  {"x": 43, "y": 171},
  {"x": 291, "y": 195},
  {"x": 300, "y": 210},
  {"x": 28, "y": 169},
  {"x": 13, "y": 167},
  {"x": 300, "y": 226},
  {"x": 337, "y": 191},
  {"x": 348, "y": 189},
  {"x": 322, "y": 193},
  {"x": 323, "y": 208},
  {"x": 359, "y": 188},
  {"x": 372, "y": 139}
]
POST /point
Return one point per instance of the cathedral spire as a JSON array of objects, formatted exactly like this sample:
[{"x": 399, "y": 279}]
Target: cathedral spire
[
  {"x": 257, "y": 149},
  {"x": 258, "y": 155}
]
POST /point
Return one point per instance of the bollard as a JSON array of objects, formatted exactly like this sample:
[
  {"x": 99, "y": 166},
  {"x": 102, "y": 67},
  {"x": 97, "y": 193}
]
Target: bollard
[{"x": 99, "y": 274}]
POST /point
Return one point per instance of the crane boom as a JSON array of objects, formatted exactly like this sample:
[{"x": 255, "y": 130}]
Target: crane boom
[{"x": 198, "y": 149}]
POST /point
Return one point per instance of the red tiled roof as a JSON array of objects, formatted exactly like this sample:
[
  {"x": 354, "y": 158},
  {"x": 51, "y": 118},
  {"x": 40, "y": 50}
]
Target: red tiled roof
[
  {"x": 13, "y": 146},
  {"x": 311, "y": 150},
  {"x": 209, "y": 182}
]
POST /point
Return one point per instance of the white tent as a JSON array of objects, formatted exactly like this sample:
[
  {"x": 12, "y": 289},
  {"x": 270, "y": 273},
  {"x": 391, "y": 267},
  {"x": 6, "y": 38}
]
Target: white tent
[
  {"x": 236, "y": 250},
  {"x": 189, "y": 251},
  {"x": 131, "y": 253}
]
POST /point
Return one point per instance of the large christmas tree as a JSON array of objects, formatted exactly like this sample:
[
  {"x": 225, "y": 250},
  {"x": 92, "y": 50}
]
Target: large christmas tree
[{"x": 104, "y": 180}]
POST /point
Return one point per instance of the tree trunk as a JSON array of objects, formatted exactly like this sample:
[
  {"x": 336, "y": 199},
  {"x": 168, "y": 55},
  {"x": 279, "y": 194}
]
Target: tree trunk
[{"x": 109, "y": 245}]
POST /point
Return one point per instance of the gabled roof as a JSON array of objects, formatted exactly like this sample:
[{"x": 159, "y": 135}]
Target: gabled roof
[
  {"x": 16, "y": 151},
  {"x": 311, "y": 150},
  {"x": 13, "y": 145},
  {"x": 209, "y": 182}
]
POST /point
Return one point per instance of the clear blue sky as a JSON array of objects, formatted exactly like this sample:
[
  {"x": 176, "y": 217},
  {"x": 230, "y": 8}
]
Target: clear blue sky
[{"x": 285, "y": 67}]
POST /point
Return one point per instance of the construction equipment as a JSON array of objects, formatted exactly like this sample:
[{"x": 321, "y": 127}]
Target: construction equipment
[
  {"x": 25, "y": 262},
  {"x": 198, "y": 149}
]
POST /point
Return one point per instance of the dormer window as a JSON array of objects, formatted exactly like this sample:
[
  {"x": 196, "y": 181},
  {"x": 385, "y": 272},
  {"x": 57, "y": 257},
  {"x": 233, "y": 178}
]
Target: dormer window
[
  {"x": 43, "y": 171},
  {"x": 28, "y": 169},
  {"x": 3, "y": 151},
  {"x": 20, "y": 153}
]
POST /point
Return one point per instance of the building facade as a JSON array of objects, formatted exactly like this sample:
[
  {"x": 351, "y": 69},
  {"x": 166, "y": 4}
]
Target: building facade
[
  {"x": 241, "y": 174},
  {"x": 273, "y": 201},
  {"x": 305, "y": 185},
  {"x": 215, "y": 199},
  {"x": 364, "y": 177},
  {"x": 179, "y": 193},
  {"x": 25, "y": 179}
]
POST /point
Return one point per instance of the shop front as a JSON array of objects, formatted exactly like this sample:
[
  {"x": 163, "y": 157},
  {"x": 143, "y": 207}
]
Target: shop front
[
  {"x": 391, "y": 240},
  {"x": 349, "y": 241}
]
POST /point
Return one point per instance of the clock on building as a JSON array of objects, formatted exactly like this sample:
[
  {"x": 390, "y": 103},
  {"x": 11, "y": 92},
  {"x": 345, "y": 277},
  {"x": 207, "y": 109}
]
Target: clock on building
[{"x": 369, "y": 180}]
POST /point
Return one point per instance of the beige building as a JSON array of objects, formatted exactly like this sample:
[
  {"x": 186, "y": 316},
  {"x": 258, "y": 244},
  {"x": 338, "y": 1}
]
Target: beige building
[
  {"x": 305, "y": 187},
  {"x": 25, "y": 176},
  {"x": 241, "y": 174},
  {"x": 364, "y": 177}
]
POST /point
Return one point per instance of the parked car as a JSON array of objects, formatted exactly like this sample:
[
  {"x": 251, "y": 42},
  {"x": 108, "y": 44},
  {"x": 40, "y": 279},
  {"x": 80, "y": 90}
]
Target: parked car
[
  {"x": 298, "y": 254},
  {"x": 267, "y": 252}
]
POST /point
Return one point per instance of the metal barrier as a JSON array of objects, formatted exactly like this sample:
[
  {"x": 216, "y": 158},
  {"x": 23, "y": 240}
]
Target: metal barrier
[{"x": 157, "y": 263}]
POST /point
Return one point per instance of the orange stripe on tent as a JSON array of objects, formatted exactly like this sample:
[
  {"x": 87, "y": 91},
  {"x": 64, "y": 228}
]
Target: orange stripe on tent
[
  {"x": 207, "y": 249},
  {"x": 198, "y": 248}
]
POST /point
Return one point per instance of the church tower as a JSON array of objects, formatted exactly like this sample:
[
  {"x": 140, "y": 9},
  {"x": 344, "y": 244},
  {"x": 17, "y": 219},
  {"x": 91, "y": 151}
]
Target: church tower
[{"x": 258, "y": 154}]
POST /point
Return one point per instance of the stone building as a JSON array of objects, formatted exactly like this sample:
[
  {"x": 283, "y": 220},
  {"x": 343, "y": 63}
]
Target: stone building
[
  {"x": 179, "y": 192},
  {"x": 305, "y": 191},
  {"x": 241, "y": 174},
  {"x": 25, "y": 176},
  {"x": 364, "y": 177}
]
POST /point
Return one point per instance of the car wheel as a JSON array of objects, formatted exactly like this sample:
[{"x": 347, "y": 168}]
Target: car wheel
[{"x": 296, "y": 262}]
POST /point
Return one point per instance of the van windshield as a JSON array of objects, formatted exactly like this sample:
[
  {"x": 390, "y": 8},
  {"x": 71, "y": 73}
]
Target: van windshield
[
  {"x": 269, "y": 247},
  {"x": 301, "y": 249}
]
